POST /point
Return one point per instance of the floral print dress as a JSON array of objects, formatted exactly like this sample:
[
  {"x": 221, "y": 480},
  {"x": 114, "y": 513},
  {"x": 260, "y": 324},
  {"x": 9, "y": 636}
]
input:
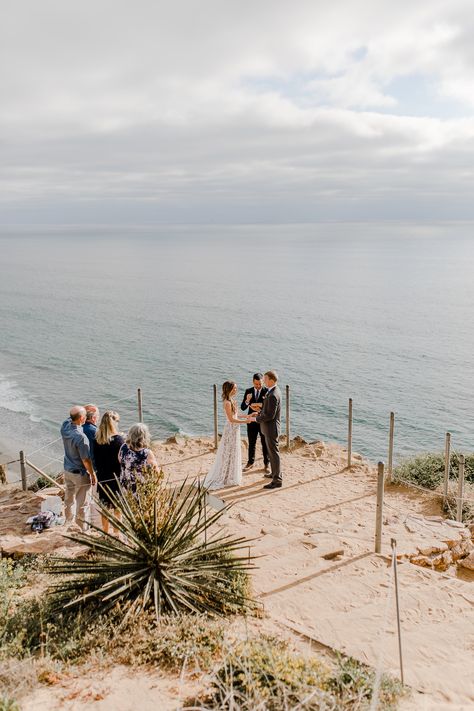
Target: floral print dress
[{"x": 132, "y": 465}]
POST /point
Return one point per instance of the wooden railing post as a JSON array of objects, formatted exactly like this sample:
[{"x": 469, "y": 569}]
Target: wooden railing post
[
  {"x": 288, "y": 433},
  {"x": 460, "y": 496},
  {"x": 390, "y": 445},
  {"x": 447, "y": 465},
  {"x": 140, "y": 408},
  {"x": 216, "y": 434},
  {"x": 379, "y": 512},
  {"x": 39, "y": 471},
  {"x": 349, "y": 436},
  {"x": 24, "y": 484}
]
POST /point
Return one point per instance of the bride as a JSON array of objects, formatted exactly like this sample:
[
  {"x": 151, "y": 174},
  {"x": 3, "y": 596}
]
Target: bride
[{"x": 227, "y": 467}]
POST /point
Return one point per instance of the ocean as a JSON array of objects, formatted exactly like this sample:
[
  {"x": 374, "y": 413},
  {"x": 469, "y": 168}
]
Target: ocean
[{"x": 381, "y": 313}]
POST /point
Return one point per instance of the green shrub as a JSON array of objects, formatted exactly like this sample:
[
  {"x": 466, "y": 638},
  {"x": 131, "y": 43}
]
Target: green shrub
[
  {"x": 160, "y": 558},
  {"x": 450, "y": 507},
  {"x": 427, "y": 470},
  {"x": 12, "y": 579},
  {"x": 36, "y": 627},
  {"x": 8, "y": 704},
  {"x": 42, "y": 483},
  {"x": 263, "y": 673},
  {"x": 194, "y": 641},
  {"x": 352, "y": 684}
]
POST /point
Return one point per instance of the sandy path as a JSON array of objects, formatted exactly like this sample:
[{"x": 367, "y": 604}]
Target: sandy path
[{"x": 341, "y": 603}]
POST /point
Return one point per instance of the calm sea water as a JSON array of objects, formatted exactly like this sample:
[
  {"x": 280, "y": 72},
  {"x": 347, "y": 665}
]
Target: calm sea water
[{"x": 379, "y": 313}]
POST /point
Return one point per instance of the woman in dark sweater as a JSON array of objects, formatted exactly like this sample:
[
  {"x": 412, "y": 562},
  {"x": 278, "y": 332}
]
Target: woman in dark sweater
[{"x": 106, "y": 447}]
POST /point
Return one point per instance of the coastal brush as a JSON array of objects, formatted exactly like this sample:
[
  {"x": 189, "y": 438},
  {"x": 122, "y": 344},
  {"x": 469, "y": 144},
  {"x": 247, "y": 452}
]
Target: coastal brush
[{"x": 162, "y": 555}]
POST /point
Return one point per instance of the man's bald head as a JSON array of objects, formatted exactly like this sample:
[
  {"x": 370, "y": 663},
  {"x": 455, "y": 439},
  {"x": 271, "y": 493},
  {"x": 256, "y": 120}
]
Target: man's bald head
[{"x": 78, "y": 414}]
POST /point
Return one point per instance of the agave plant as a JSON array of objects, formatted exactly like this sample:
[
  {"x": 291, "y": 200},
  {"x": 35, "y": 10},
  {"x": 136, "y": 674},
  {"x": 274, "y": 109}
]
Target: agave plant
[{"x": 161, "y": 555}]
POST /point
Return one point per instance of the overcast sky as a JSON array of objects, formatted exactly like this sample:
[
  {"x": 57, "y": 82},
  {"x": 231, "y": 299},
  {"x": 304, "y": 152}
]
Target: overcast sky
[{"x": 236, "y": 110}]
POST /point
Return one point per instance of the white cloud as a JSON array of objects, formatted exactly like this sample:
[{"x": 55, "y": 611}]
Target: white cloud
[{"x": 232, "y": 105}]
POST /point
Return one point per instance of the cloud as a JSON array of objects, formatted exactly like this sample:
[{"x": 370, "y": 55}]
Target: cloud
[{"x": 155, "y": 111}]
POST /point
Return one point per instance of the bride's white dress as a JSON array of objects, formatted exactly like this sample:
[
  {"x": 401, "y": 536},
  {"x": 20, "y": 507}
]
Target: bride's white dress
[{"x": 227, "y": 467}]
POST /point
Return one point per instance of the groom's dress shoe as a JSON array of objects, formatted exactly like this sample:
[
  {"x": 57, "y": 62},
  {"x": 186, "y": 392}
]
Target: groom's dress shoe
[
  {"x": 248, "y": 466},
  {"x": 268, "y": 476},
  {"x": 273, "y": 485}
]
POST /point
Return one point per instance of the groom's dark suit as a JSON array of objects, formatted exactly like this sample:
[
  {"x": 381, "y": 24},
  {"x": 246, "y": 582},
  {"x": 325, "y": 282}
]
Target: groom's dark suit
[
  {"x": 253, "y": 428},
  {"x": 269, "y": 420}
]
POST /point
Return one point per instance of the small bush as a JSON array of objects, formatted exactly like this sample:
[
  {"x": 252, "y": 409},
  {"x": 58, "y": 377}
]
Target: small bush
[
  {"x": 35, "y": 626},
  {"x": 352, "y": 684},
  {"x": 450, "y": 509},
  {"x": 427, "y": 470},
  {"x": 8, "y": 704},
  {"x": 195, "y": 641},
  {"x": 263, "y": 674},
  {"x": 42, "y": 483},
  {"x": 12, "y": 578}
]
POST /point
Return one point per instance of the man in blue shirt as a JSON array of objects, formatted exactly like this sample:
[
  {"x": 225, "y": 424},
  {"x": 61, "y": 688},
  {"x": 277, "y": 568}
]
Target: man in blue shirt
[
  {"x": 90, "y": 427},
  {"x": 79, "y": 476}
]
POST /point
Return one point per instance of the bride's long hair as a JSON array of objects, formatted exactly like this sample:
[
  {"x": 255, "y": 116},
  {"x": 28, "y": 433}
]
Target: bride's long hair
[{"x": 227, "y": 388}]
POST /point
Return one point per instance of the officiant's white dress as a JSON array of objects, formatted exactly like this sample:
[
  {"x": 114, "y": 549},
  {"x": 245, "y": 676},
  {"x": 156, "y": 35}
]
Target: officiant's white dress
[{"x": 227, "y": 467}]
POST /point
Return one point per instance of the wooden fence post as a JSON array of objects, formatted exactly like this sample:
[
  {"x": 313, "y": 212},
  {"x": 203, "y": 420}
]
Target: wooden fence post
[
  {"x": 288, "y": 417},
  {"x": 460, "y": 496},
  {"x": 447, "y": 465},
  {"x": 216, "y": 434},
  {"x": 379, "y": 512},
  {"x": 39, "y": 471},
  {"x": 140, "y": 409},
  {"x": 397, "y": 600},
  {"x": 349, "y": 436},
  {"x": 390, "y": 445},
  {"x": 24, "y": 485}
]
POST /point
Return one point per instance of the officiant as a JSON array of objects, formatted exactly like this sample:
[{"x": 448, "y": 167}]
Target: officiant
[{"x": 253, "y": 402}]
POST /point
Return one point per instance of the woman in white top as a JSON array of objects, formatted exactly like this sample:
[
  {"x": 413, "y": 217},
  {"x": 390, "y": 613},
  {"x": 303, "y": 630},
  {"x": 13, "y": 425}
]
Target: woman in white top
[{"x": 227, "y": 467}]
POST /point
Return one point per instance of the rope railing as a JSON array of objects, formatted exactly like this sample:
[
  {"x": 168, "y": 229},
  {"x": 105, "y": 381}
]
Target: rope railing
[
  {"x": 138, "y": 400},
  {"x": 44, "y": 446},
  {"x": 128, "y": 398},
  {"x": 12, "y": 461}
]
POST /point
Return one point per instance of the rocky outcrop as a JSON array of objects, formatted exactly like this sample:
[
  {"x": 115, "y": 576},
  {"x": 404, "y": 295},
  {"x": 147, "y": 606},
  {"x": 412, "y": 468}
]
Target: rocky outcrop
[
  {"x": 48, "y": 542},
  {"x": 445, "y": 543},
  {"x": 468, "y": 562},
  {"x": 16, "y": 537}
]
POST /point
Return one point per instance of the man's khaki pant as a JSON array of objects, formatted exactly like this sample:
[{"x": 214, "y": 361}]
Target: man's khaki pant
[{"x": 78, "y": 490}]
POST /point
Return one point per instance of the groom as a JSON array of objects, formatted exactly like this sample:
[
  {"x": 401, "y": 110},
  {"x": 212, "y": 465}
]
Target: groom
[{"x": 269, "y": 421}]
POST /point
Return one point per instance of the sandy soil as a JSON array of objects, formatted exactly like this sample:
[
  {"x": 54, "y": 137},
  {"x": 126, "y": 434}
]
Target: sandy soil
[{"x": 340, "y": 603}]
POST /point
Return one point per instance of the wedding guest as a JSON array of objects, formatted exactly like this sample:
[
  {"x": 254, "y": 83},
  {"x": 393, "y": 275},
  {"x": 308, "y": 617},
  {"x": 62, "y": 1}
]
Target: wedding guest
[
  {"x": 90, "y": 429},
  {"x": 253, "y": 400},
  {"x": 135, "y": 455},
  {"x": 90, "y": 426},
  {"x": 79, "y": 477},
  {"x": 106, "y": 447}
]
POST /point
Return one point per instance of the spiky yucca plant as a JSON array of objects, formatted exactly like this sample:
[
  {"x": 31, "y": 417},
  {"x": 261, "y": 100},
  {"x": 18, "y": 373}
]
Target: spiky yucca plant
[{"x": 159, "y": 558}]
